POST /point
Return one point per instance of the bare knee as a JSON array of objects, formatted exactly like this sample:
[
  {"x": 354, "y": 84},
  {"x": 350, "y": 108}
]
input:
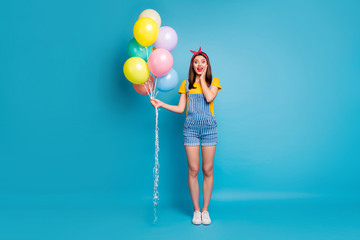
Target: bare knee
[
  {"x": 193, "y": 172},
  {"x": 208, "y": 171}
]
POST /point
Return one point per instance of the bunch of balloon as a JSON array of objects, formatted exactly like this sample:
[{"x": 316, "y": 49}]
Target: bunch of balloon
[{"x": 151, "y": 73}]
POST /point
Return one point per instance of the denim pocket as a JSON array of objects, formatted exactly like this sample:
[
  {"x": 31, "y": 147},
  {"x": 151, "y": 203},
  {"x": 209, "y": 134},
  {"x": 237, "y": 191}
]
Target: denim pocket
[
  {"x": 212, "y": 122},
  {"x": 188, "y": 123}
]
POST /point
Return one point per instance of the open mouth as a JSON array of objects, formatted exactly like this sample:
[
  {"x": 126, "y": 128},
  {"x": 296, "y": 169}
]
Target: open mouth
[{"x": 199, "y": 69}]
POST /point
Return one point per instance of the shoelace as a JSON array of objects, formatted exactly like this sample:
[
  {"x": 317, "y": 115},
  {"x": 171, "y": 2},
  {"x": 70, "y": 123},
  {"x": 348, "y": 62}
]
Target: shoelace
[
  {"x": 197, "y": 214},
  {"x": 205, "y": 215}
]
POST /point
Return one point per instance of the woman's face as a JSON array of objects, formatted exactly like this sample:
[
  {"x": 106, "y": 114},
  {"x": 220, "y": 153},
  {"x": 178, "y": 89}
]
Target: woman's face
[{"x": 199, "y": 64}]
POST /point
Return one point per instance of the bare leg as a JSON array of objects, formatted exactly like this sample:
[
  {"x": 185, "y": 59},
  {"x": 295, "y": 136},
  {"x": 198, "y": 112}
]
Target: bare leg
[
  {"x": 192, "y": 153},
  {"x": 208, "y": 153}
]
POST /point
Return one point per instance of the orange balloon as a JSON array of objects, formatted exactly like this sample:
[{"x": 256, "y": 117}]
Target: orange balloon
[{"x": 140, "y": 88}]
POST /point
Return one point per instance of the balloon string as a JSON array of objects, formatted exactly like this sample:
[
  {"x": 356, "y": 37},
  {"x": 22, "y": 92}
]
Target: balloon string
[
  {"x": 157, "y": 165},
  {"x": 148, "y": 90},
  {"x": 153, "y": 89},
  {"x": 155, "y": 83},
  {"x": 152, "y": 94}
]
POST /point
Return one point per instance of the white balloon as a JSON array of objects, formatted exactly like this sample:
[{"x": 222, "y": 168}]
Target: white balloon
[{"x": 151, "y": 13}]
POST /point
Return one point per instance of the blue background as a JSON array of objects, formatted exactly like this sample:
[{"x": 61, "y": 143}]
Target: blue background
[{"x": 77, "y": 141}]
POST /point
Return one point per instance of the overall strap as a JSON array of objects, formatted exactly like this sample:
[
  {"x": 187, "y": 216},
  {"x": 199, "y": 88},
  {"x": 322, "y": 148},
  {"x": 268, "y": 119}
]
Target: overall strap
[{"x": 187, "y": 85}]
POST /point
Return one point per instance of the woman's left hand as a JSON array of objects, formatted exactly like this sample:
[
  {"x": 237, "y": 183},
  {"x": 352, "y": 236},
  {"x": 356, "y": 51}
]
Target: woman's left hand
[
  {"x": 203, "y": 74},
  {"x": 156, "y": 102}
]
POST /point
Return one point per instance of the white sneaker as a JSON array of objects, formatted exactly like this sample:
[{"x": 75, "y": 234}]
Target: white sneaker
[
  {"x": 196, "y": 218},
  {"x": 205, "y": 218}
]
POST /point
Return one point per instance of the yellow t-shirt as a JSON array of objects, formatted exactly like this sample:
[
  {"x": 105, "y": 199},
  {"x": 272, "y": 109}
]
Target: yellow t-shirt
[{"x": 198, "y": 90}]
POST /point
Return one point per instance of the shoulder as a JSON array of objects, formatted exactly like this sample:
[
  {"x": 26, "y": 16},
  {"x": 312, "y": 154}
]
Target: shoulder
[
  {"x": 182, "y": 88},
  {"x": 215, "y": 80},
  {"x": 183, "y": 84}
]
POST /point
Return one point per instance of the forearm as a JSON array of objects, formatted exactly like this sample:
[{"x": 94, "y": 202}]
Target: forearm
[
  {"x": 173, "y": 108},
  {"x": 209, "y": 96}
]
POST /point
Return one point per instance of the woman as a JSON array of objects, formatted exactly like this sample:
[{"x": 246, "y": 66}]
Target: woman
[{"x": 198, "y": 93}]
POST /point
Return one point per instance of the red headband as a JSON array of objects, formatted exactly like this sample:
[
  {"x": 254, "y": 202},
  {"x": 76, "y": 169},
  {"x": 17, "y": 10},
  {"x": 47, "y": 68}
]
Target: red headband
[{"x": 199, "y": 52}]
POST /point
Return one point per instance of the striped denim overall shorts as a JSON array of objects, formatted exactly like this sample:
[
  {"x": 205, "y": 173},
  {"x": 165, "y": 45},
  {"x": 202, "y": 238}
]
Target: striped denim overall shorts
[{"x": 200, "y": 125}]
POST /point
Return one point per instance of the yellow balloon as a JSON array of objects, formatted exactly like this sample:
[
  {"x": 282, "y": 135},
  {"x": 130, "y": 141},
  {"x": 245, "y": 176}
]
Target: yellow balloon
[
  {"x": 146, "y": 31},
  {"x": 136, "y": 70}
]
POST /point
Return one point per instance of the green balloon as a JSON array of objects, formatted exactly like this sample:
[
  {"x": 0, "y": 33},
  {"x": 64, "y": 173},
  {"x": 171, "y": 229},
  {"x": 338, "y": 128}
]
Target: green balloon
[{"x": 137, "y": 50}]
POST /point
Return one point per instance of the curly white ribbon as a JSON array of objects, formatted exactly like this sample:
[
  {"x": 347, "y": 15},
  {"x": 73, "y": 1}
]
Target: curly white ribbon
[{"x": 152, "y": 94}]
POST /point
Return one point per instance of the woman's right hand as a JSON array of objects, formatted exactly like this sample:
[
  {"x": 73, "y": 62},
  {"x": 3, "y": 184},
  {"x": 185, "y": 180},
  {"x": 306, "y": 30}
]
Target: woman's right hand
[{"x": 156, "y": 103}]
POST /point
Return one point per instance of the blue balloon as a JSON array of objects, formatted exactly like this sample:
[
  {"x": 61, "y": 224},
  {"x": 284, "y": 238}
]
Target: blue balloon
[{"x": 167, "y": 82}]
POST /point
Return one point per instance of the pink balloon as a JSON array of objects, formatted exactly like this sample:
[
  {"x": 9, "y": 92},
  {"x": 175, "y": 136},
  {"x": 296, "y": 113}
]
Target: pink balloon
[
  {"x": 140, "y": 88},
  {"x": 160, "y": 62}
]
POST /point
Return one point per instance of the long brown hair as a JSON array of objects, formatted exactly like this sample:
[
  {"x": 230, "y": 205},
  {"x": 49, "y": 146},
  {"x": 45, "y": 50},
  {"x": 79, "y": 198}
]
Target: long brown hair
[{"x": 192, "y": 73}]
